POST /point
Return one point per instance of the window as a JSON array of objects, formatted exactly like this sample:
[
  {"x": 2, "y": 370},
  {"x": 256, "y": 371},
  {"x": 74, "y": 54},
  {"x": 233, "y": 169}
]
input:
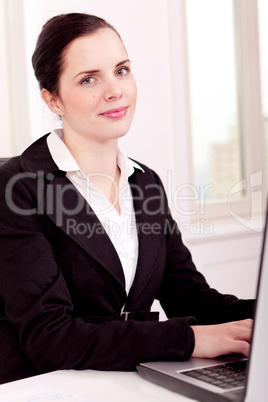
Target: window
[
  {"x": 215, "y": 125},
  {"x": 263, "y": 35},
  {"x": 223, "y": 113}
]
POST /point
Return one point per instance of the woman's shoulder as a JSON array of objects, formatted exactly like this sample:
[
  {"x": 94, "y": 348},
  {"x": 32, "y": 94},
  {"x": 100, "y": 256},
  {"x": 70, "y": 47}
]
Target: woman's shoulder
[
  {"x": 11, "y": 165},
  {"x": 149, "y": 173},
  {"x": 34, "y": 159}
]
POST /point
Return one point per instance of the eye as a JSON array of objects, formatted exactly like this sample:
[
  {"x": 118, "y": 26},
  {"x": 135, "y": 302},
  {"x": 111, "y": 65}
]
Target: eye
[
  {"x": 88, "y": 81},
  {"x": 122, "y": 71}
]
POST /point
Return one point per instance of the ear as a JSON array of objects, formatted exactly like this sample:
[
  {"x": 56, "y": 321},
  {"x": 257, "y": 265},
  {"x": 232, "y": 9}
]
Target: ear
[{"x": 53, "y": 102}]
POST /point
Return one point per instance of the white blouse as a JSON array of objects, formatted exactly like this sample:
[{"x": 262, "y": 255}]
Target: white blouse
[{"x": 121, "y": 229}]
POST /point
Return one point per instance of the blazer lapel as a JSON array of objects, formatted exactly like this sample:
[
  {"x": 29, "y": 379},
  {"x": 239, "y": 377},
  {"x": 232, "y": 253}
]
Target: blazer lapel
[
  {"x": 66, "y": 207},
  {"x": 68, "y": 210},
  {"x": 149, "y": 220}
]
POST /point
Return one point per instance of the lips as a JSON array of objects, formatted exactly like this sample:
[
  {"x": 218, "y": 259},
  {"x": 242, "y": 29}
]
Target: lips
[{"x": 115, "y": 113}]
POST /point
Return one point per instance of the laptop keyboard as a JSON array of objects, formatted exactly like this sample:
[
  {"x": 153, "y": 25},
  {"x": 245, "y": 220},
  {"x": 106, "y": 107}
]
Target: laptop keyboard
[{"x": 226, "y": 376}]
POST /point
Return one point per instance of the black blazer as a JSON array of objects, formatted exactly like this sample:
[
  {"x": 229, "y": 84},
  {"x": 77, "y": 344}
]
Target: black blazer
[{"x": 62, "y": 285}]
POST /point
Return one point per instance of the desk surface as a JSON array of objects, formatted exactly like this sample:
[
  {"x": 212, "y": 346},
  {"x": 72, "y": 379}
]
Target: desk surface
[{"x": 89, "y": 386}]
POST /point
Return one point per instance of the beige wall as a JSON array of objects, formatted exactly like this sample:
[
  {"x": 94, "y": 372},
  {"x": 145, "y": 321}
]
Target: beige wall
[{"x": 6, "y": 136}]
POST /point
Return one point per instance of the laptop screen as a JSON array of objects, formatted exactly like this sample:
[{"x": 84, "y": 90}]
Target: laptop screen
[{"x": 257, "y": 374}]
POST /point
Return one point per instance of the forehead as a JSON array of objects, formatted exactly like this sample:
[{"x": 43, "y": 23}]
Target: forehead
[{"x": 93, "y": 50}]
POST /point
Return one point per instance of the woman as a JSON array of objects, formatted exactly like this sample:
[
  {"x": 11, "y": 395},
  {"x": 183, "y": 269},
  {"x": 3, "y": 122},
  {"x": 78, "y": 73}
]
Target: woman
[{"x": 87, "y": 239}]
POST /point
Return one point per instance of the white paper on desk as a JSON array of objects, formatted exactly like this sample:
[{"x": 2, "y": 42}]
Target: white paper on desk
[{"x": 41, "y": 394}]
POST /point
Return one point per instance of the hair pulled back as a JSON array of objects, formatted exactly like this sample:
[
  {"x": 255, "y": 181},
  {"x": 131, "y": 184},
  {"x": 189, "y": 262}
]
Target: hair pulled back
[{"x": 56, "y": 35}]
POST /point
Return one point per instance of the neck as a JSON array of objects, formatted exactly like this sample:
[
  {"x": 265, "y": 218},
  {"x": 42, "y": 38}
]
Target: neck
[
  {"x": 92, "y": 156},
  {"x": 98, "y": 161}
]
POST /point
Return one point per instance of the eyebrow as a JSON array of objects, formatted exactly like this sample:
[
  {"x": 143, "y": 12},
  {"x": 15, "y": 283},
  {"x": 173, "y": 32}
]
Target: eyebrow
[{"x": 97, "y": 71}]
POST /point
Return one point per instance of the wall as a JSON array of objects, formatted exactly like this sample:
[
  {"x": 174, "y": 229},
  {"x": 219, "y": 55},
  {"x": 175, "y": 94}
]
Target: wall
[
  {"x": 230, "y": 263},
  {"x": 6, "y": 139}
]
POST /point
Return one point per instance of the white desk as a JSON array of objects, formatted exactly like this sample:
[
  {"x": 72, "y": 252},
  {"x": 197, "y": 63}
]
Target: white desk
[{"x": 95, "y": 386}]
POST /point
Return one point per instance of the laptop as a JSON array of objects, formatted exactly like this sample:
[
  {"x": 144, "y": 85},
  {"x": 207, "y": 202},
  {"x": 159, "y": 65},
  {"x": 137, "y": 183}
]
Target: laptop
[{"x": 206, "y": 379}]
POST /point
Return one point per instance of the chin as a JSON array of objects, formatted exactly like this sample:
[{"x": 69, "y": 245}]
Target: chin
[{"x": 119, "y": 132}]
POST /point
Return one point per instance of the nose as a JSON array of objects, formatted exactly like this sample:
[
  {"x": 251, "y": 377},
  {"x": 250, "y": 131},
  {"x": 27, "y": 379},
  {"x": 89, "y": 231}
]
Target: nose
[{"x": 113, "y": 89}]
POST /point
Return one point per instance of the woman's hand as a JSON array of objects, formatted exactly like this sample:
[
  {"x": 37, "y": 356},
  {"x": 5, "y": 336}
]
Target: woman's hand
[{"x": 222, "y": 339}]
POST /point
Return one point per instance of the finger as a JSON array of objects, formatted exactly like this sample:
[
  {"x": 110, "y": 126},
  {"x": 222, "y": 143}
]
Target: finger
[
  {"x": 248, "y": 323},
  {"x": 241, "y": 333},
  {"x": 240, "y": 347}
]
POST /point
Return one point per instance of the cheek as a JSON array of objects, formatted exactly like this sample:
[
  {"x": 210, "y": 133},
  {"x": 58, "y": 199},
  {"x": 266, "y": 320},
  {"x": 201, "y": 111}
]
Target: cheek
[
  {"x": 133, "y": 91},
  {"x": 82, "y": 102}
]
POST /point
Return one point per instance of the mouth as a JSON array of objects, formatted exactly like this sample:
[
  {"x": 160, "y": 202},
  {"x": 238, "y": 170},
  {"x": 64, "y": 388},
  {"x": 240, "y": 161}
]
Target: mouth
[{"x": 115, "y": 113}]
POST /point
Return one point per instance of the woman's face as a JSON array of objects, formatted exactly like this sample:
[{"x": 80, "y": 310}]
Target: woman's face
[{"x": 97, "y": 92}]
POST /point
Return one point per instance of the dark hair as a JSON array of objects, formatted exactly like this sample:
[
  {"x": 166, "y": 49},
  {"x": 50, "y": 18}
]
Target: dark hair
[{"x": 56, "y": 35}]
